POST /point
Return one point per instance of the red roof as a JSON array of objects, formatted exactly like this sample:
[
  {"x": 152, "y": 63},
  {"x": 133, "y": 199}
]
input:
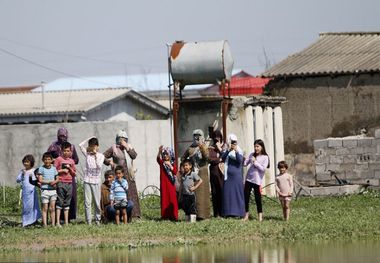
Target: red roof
[
  {"x": 19, "y": 89},
  {"x": 242, "y": 84}
]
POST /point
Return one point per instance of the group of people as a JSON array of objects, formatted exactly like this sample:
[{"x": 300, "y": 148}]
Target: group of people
[
  {"x": 219, "y": 167},
  {"x": 116, "y": 199}
]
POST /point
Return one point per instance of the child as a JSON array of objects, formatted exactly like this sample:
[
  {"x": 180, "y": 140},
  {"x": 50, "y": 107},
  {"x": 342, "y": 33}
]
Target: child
[
  {"x": 168, "y": 170},
  {"x": 118, "y": 194},
  {"x": 108, "y": 212},
  {"x": 91, "y": 180},
  {"x": 284, "y": 188},
  {"x": 258, "y": 161},
  {"x": 65, "y": 166},
  {"x": 30, "y": 207},
  {"x": 190, "y": 182},
  {"x": 47, "y": 177}
]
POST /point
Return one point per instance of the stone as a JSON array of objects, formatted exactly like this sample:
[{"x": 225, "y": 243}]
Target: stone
[
  {"x": 342, "y": 151},
  {"x": 350, "y": 143},
  {"x": 333, "y": 167},
  {"x": 334, "y": 142},
  {"x": 336, "y": 159},
  {"x": 377, "y": 174},
  {"x": 320, "y": 168},
  {"x": 318, "y": 144},
  {"x": 349, "y": 158},
  {"x": 377, "y": 133},
  {"x": 365, "y": 141}
]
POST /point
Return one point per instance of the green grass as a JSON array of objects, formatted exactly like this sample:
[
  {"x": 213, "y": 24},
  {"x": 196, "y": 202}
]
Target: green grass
[{"x": 312, "y": 219}]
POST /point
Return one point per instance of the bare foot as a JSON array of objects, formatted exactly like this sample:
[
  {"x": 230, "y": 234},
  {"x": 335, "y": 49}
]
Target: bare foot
[{"x": 246, "y": 217}]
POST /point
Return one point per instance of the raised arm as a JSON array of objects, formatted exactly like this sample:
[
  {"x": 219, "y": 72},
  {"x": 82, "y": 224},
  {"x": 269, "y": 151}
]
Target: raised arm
[{"x": 261, "y": 164}]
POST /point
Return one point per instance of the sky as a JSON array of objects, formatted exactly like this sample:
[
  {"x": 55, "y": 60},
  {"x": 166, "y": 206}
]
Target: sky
[{"x": 44, "y": 40}]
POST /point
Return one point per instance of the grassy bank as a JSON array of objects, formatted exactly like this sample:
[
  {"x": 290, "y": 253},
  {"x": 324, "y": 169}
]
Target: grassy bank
[{"x": 312, "y": 219}]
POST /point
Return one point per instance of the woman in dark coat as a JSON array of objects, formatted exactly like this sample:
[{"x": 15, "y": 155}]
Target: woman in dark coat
[
  {"x": 122, "y": 153},
  {"x": 56, "y": 150},
  {"x": 233, "y": 190},
  {"x": 216, "y": 171}
]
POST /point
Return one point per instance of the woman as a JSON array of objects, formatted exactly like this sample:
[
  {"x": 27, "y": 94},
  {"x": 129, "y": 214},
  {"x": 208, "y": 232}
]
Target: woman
[
  {"x": 197, "y": 152},
  {"x": 233, "y": 195},
  {"x": 56, "y": 150},
  {"x": 168, "y": 171},
  {"x": 216, "y": 172},
  {"x": 259, "y": 161},
  {"x": 123, "y": 154}
]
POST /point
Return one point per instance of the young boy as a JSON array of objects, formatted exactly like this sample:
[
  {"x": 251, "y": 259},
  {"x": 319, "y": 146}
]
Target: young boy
[
  {"x": 108, "y": 212},
  {"x": 118, "y": 195},
  {"x": 47, "y": 177},
  {"x": 91, "y": 180},
  {"x": 190, "y": 182},
  {"x": 65, "y": 166},
  {"x": 284, "y": 188}
]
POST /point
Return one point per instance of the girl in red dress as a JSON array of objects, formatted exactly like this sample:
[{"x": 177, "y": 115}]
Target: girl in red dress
[{"x": 168, "y": 171}]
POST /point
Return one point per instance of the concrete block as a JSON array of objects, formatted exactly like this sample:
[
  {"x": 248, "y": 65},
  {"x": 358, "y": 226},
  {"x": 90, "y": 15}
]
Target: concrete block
[
  {"x": 362, "y": 166},
  {"x": 318, "y": 144},
  {"x": 377, "y": 174},
  {"x": 363, "y": 158},
  {"x": 320, "y": 168},
  {"x": 347, "y": 166},
  {"x": 357, "y": 150},
  {"x": 349, "y": 158},
  {"x": 365, "y": 141},
  {"x": 322, "y": 159},
  {"x": 342, "y": 151},
  {"x": 336, "y": 159},
  {"x": 350, "y": 143},
  {"x": 333, "y": 167},
  {"x": 378, "y": 149},
  {"x": 377, "y": 133},
  {"x": 323, "y": 177},
  {"x": 369, "y": 149},
  {"x": 334, "y": 142}
]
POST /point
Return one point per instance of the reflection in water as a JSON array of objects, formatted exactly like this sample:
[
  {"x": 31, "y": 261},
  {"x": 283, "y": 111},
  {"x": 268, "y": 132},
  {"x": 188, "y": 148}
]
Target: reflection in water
[{"x": 363, "y": 251}]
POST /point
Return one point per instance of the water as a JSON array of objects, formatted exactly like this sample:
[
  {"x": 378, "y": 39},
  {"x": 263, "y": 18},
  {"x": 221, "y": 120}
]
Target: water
[{"x": 360, "y": 251}]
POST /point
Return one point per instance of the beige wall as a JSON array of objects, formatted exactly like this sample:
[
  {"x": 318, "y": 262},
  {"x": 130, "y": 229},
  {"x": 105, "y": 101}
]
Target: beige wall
[{"x": 316, "y": 105}]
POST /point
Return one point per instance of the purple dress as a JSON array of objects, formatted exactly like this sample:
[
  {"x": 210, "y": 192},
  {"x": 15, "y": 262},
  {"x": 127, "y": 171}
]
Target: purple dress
[{"x": 233, "y": 188}]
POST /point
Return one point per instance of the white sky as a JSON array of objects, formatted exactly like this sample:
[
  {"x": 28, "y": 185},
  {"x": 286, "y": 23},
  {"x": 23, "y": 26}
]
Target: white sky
[{"x": 51, "y": 39}]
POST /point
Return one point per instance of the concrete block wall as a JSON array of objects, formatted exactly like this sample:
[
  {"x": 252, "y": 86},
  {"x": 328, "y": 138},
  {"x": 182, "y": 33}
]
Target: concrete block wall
[
  {"x": 355, "y": 159},
  {"x": 145, "y": 136}
]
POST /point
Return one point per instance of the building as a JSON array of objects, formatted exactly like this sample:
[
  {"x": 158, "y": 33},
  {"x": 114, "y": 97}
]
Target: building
[
  {"x": 113, "y": 104},
  {"x": 332, "y": 88}
]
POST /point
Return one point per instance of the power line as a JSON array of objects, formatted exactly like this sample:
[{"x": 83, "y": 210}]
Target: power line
[
  {"x": 73, "y": 55},
  {"x": 51, "y": 69}
]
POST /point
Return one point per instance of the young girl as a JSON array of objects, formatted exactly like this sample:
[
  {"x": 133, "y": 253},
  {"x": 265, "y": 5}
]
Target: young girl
[
  {"x": 258, "y": 161},
  {"x": 284, "y": 188},
  {"x": 168, "y": 171},
  {"x": 30, "y": 207}
]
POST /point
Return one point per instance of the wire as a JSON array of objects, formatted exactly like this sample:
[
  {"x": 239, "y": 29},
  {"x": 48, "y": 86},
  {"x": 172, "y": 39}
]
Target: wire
[
  {"x": 51, "y": 69},
  {"x": 71, "y": 55}
]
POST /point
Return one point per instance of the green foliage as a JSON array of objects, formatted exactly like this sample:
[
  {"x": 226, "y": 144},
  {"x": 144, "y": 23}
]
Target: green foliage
[{"x": 140, "y": 115}]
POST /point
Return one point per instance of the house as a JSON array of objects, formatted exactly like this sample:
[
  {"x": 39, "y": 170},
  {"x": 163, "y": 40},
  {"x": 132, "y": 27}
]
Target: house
[
  {"x": 77, "y": 106},
  {"x": 332, "y": 88}
]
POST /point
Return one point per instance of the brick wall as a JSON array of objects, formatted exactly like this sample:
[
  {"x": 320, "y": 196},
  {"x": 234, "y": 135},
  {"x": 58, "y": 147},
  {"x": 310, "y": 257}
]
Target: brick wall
[{"x": 355, "y": 159}]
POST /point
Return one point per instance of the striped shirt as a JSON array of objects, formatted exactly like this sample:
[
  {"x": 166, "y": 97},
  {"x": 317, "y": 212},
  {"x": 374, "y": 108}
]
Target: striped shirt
[{"x": 119, "y": 189}]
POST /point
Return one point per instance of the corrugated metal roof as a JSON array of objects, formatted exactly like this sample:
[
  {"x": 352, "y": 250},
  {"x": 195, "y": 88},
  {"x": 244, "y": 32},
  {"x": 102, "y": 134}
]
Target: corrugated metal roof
[
  {"x": 30, "y": 103},
  {"x": 333, "y": 53}
]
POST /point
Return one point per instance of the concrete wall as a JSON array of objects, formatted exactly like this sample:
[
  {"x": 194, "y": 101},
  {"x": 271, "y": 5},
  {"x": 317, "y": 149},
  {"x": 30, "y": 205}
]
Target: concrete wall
[
  {"x": 18, "y": 140},
  {"x": 317, "y": 106},
  {"x": 354, "y": 159}
]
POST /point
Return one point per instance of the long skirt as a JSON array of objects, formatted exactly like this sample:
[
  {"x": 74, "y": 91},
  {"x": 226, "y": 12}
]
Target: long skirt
[{"x": 203, "y": 194}]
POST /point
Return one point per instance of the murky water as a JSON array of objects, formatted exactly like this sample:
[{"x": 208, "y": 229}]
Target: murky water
[{"x": 361, "y": 251}]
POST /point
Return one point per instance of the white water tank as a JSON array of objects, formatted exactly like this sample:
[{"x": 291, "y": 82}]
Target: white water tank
[{"x": 201, "y": 62}]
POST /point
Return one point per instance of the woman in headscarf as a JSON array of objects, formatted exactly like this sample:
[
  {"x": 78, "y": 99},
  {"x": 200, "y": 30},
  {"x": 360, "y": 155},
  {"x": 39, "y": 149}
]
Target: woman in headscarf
[
  {"x": 197, "y": 152},
  {"x": 123, "y": 154},
  {"x": 216, "y": 171},
  {"x": 56, "y": 150},
  {"x": 168, "y": 171},
  {"x": 233, "y": 193}
]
